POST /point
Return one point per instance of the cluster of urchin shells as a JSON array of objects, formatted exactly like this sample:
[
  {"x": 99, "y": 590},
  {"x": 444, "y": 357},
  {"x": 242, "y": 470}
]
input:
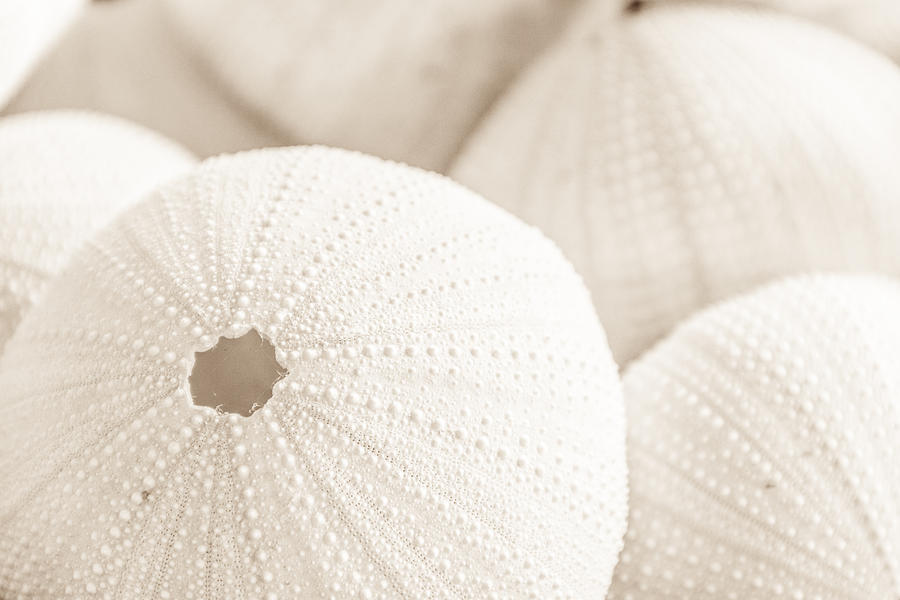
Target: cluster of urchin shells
[{"x": 232, "y": 366}]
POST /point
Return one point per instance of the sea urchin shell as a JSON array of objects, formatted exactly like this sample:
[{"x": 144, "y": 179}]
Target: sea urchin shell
[
  {"x": 694, "y": 152},
  {"x": 449, "y": 422},
  {"x": 762, "y": 449},
  {"x": 64, "y": 174}
]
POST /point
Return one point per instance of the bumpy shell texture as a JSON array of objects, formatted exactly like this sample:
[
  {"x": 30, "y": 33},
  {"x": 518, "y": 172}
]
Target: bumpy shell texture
[
  {"x": 27, "y": 29},
  {"x": 62, "y": 175},
  {"x": 762, "y": 449},
  {"x": 451, "y": 425},
  {"x": 405, "y": 80},
  {"x": 874, "y": 22},
  {"x": 696, "y": 151}
]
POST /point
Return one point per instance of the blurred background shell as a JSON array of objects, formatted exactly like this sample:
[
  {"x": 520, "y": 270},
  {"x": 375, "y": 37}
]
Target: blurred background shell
[
  {"x": 404, "y": 80},
  {"x": 873, "y": 22},
  {"x": 694, "y": 151},
  {"x": 62, "y": 175},
  {"x": 451, "y": 424},
  {"x": 122, "y": 58},
  {"x": 28, "y": 28},
  {"x": 762, "y": 449}
]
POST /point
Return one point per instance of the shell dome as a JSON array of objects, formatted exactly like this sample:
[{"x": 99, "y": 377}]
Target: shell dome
[
  {"x": 448, "y": 420},
  {"x": 64, "y": 174},
  {"x": 762, "y": 449},
  {"x": 693, "y": 152},
  {"x": 405, "y": 80},
  {"x": 28, "y": 28}
]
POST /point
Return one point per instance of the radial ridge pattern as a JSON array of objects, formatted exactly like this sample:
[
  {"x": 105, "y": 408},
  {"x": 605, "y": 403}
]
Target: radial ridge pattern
[{"x": 451, "y": 425}]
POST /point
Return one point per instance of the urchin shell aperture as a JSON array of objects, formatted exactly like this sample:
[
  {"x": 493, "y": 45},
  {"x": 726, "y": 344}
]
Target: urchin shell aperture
[{"x": 451, "y": 425}]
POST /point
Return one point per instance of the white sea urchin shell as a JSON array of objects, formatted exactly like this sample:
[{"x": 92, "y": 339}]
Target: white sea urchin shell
[
  {"x": 64, "y": 174},
  {"x": 762, "y": 449},
  {"x": 451, "y": 425},
  {"x": 695, "y": 151}
]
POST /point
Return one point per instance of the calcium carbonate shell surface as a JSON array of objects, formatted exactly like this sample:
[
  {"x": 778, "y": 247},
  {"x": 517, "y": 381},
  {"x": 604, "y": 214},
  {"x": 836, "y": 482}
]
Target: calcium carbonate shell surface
[
  {"x": 762, "y": 449},
  {"x": 27, "y": 29},
  {"x": 450, "y": 426},
  {"x": 405, "y": 80},
  {"x": 62, "y": 175},
  {"x": 695, "y": 151}
]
